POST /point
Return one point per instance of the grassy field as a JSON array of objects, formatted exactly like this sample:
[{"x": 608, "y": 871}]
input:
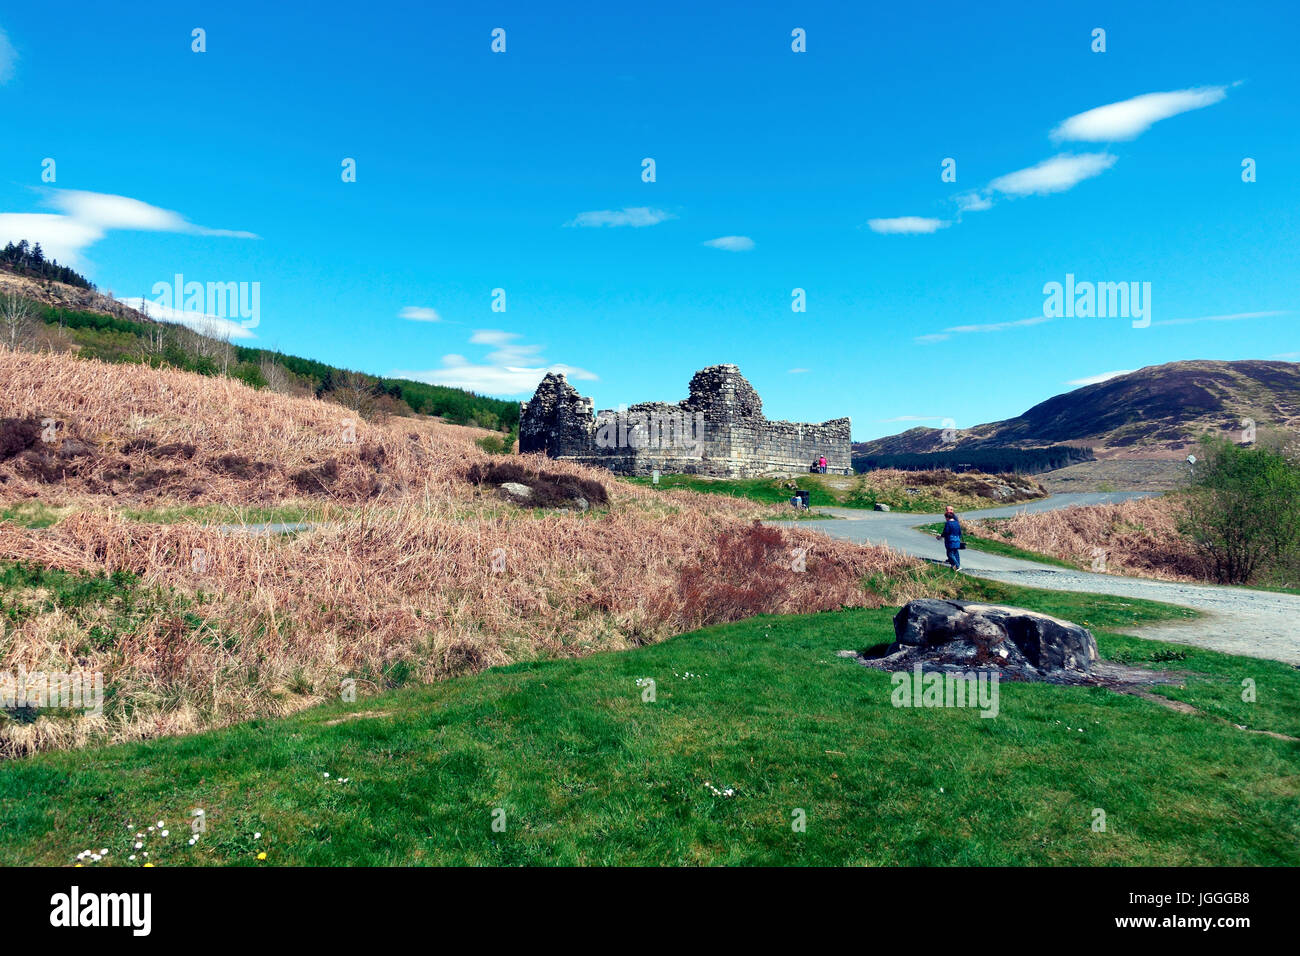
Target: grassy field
[
  {"x": 931, "y": 491},
  {"x": 752, "y": 723}
]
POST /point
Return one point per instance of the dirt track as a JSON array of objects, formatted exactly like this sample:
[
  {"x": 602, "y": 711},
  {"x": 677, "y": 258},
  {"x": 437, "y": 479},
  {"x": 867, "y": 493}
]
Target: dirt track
[{"x": 1236, "y": 620}]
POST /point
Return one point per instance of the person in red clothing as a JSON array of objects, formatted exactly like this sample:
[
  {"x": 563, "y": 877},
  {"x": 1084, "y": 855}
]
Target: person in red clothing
[{"x": 821, "y": 464}]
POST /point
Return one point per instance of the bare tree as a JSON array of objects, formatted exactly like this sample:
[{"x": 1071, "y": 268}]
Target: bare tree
[
  {"x": 276, "y": 376},
  {"x": 15, "y": 320},
  {"x": 355, "y": 391},
  {"x": 212, "y": 341}
]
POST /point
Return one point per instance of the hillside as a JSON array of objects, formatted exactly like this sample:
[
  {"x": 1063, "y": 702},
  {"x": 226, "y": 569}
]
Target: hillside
[
  {"x": 1157, "y": 412},
  {"x": 75, "y": 318},
  {"x": 123, "y": 495}
]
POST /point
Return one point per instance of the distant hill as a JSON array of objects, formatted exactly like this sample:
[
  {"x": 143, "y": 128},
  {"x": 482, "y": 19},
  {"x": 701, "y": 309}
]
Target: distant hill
[
  {"x": 1156, "y": 412},
  {"x": 78, "y": 318}
]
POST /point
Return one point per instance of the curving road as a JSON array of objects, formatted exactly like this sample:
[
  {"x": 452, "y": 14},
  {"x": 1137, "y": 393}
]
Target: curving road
[{"x": 1236, "y": 620}]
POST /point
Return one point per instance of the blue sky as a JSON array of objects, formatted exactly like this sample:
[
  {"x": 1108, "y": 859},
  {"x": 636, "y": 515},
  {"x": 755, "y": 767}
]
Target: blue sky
[{"x": 818, "y": 170}]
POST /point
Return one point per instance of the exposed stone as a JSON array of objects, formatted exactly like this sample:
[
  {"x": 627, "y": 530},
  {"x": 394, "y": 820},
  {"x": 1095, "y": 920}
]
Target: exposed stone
[
  {"x": 1022, "y": 644},
  {"x": 515, "y": 490},
  {"x": 881, "y": 506},
  {"x": 719, "y": 430},
  {"x": 73, "y": 448}
]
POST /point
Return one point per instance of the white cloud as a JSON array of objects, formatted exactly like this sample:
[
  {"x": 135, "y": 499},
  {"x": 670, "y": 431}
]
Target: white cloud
[
  {"x": 1234, "y": 317},
  {"x": 906, "y": 225},
  {"x": 86, "y": 217},
  {"x": 998, "y": 326},
  {"x": 635, "y": 216},
  {"x": 973, "y": 202},
  {"x": 121, "y": 212},
  {"x": 1054, "y": 175},
  {"x": 970, "y": 329},
  {"x": 909, "y": 418},
  {"x": 213, "y": 326},
  {"x": 8, "y": 57},
  {"x": 798, "y": 371},
  {"x": 1097, "y": 379},
  {"x": 1115, "y": 121},
  {"x": 731, "y": 243},
  {"x": 492, "y": 337},
  {"x": 420, "y": 313},
  {"x": 60, "y": 237},
  {"x": 507, "y": 353},
  {"x": 1287, "y": 356},
  {"x": 1131, "y": 118},
  {"x": 510, "y": 369}
]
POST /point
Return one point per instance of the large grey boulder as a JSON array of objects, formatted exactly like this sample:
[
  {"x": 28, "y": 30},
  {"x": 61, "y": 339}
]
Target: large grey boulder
[
  {"x": 514, "y": 489},
  {"x": 1020, "y": 642}
]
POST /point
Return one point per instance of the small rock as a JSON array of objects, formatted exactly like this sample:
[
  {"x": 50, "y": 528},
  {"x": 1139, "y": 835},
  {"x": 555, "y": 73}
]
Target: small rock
[
  {"x": 881, "y": 506},
  {"x": 515, "y": 490},
  {"x": 72, "y": 448}
]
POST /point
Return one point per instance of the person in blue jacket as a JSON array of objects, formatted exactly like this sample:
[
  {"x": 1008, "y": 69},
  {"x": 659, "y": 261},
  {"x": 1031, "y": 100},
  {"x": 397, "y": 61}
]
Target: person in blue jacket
[{"x": 951, "y": 537}]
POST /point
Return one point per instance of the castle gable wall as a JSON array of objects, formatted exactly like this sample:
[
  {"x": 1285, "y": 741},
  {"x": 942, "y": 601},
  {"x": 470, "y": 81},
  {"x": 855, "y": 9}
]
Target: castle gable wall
[{"x": 718, "y": 430}]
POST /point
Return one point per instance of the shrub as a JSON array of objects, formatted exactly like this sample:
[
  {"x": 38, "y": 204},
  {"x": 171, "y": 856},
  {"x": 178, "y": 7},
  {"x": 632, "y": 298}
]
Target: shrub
[
  {"x": 17, "y": 435},
  {"x": 550, "y": 489},
  {"x": 493, "y": 444},
  {"x": 239, "y": 466},
  {"x": 1243, "y": 510},
  {"x": 317, "y": 479}
]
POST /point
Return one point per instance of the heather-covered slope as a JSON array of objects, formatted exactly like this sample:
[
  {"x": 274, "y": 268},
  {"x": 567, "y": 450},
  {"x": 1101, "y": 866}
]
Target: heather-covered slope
[{"x": 417, "y": 573}]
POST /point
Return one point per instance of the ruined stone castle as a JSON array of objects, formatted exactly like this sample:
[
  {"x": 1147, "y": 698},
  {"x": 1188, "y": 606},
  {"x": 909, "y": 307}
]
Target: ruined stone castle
[{"x": 718, "y": 430}]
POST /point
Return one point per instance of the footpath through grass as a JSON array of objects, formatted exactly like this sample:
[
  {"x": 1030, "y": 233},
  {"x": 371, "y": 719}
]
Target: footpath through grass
[
  {"x": 995, "y": 546},
  {"x": 998, "y": 546},
  {"x": 753, "y": 725}
]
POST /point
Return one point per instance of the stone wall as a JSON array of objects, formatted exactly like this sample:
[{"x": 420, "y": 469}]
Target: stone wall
[{"x": 718, "y": 430}]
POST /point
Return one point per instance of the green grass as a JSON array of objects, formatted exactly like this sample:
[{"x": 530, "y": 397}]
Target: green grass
[
  {"x": 231, "y": 514},
  {"x": 585, "y": 771},
  {"x": 995, "y": 546},
  {"x": 770, "y": 491},
  {"x": 840, "y": 491},
  {"x": 34, "y": 514},
  {"x": 31, "y": 514},
  {"x": 50, "y": 588},
  {"x": 110, "y": 607}
]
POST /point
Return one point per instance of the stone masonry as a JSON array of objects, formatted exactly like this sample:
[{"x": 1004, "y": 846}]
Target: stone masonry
[{"x": 718, "y": 430}]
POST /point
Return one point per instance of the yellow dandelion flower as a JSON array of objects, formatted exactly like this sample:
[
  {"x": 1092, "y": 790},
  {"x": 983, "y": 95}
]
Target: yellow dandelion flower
[{"x": 262, "y": 855}]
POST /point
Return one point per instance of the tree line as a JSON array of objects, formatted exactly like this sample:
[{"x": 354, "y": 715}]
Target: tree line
[{"x": 28, "y": 259}]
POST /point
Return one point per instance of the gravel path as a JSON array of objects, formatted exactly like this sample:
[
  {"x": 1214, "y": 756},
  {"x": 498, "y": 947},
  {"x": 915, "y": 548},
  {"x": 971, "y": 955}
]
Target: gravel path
[{"x": 1236, "y": 620}]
